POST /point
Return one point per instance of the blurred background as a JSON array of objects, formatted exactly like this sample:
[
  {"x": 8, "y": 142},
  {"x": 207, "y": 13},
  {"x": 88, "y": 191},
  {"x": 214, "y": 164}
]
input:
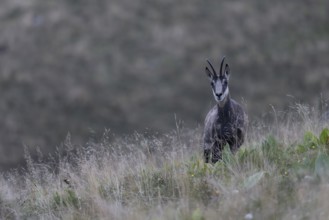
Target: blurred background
[{"x": 80, "y": 66}]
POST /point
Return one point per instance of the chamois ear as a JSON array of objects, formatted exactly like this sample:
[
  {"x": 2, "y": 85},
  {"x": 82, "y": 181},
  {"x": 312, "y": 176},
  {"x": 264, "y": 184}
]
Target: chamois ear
[
  {"x": 227, "y": 71},
  {"x": 208, "y": 73}
]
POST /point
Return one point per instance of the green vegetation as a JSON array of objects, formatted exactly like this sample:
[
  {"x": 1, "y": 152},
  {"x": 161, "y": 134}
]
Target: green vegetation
[{"x": 273, "y": 176}]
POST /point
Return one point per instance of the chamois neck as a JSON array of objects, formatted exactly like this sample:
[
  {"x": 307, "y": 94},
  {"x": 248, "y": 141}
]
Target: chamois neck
[{"x": 225, "y": 103}]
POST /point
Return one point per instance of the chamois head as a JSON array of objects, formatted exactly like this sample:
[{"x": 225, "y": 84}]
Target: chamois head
[{"x": 219, "y": 82}]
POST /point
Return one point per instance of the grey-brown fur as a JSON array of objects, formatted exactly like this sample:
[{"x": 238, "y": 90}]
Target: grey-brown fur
[{"x": 226, "y": 122}]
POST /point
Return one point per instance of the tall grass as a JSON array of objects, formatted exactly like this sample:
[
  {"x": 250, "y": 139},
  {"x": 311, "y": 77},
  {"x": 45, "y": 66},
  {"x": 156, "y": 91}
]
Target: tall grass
[{"x": 281, "y": 172}]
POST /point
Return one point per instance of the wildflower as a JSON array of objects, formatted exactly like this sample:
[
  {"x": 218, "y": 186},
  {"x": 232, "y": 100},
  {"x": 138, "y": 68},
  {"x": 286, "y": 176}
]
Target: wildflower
[{"x": 249, "y": 216}]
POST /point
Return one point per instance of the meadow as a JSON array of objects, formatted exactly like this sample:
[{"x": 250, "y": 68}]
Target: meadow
[
  {"x": 281, "y": 172},
  {"x": 81, "y": 66}
]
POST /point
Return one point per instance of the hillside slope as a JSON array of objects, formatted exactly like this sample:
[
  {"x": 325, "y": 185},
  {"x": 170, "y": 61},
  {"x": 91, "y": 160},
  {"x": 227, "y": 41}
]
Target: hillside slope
[{"x": 79, "y": 66}]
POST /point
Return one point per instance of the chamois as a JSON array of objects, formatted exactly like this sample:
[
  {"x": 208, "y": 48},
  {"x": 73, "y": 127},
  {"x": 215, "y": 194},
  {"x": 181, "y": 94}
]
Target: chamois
[{"x": 226, "y": 122}]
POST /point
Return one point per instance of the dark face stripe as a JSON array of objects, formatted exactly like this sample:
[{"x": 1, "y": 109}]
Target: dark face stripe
[{"x": 223, "y": 82}]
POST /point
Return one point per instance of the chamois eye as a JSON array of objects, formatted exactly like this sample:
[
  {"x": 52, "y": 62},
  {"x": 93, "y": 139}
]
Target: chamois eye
[{"x": 212, "y": 83}]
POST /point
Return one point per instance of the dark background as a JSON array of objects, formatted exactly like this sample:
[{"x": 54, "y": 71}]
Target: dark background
[{"x": 80, "y": 66}]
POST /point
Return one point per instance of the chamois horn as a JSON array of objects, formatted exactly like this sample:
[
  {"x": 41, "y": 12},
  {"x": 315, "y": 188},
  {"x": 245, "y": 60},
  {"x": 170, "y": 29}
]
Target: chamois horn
[
  {"x": 221, "y": 66},
  {"x": 213, "y": 70}
]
